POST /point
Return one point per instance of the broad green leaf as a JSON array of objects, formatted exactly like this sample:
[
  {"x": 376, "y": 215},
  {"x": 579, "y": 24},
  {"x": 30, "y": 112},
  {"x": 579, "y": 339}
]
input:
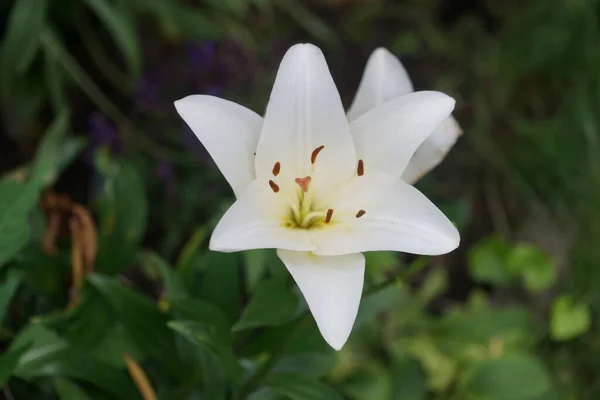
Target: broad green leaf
[
  {"x": 9, "y": 361},
  {"x": 441, "y": 369},
  {"x": 255, "y": 267},
  {"x": 370, "y": 381},
  {"x": 145, "y": 324},
  {"x": 8, "y": 289},
  {"x": 271, "y": 304},
  {"x": 511, "y": 377},
  {"x": 123, "y": 210},
  {"x": 376, "y": 303},
  {"x": 487, "y": 262},
  {"x": 314, "y": 365},
  {"x": 55, "y": 151},
  {"x": 206, "y": 337},
  {"x": 21, "y": 39},
  {"x": 155, "y": 265},
  {"x": 16, "y": 201},
  {"x": 569, "y": 319},
  {"x": 535, "y": 267},
  {"x": 408, "y": 380},
  {"x": 123, "y": 31},
  {"x": 297, "y": 387},
  {"x": 50, "y": 356},
  {"x": 85, "y": 325},
  {"x": 67, "y": 390},
  {"x": 221, "y": 284},
  {"x": 44, "y": 274},
  {"x": 188, "y": 308}
]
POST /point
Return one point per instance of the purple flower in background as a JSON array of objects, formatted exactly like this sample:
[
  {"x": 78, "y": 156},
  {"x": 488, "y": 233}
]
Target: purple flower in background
[
  {"x": 201, "y": 55},
  {"x": 166, "y": 173},
  {"x": 102, "y": 133},
  {"x": 146, "y": 93}
]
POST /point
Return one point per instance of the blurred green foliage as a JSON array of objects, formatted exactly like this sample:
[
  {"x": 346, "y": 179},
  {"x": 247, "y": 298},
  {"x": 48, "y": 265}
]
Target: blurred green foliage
[{"x": 511, "y": 315}]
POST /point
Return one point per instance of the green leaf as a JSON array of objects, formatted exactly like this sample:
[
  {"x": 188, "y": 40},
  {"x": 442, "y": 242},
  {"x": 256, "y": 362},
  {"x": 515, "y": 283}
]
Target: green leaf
[
  {"x": 272, "y": 304},
  {"x": 50, "y": 356},
  {"x": 67, "y": 390},
  {"x": 441, "y": 369},
  {"x": 535, "y": 267},
  {"x": 21, "y": 39},
  {"x": 312, "y": 23},
  {"x": 55, "y": 82},
  {"x": 8, "y": 289},
  {"x": 123, "y": 31},
  {"x": 123, "y": 210},
  {"x": 487, "y": 262},
  {"x": 145, "y": 324},
  {"x": 314, "y": 365},
  {"x": 9, "y": 361},
  {"x": 16, "y": 201},
  {"x": 512, "y": 377},
  {"x": 55, "y": 151},
  {"x": 85, "y": 325},
  {"x": 206, "y": 337},
  {"x": 569, "y": 319},
  {"x": 371, "y": 381},
  {"x": 198, "y": 310},
  {"x": 297, "y": 387},
  {"x": 255, "y": 266},
  {"x": 221, "y": 284},
  {"x": 408, "y": 380},
  {"x": 376, "y": 303},
  {"x": 61, "y": 55},
  {"x": 155, "y": 265}
]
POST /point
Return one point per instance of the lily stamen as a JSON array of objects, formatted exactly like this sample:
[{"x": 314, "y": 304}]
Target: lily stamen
[
  {"x": 315, "y": 153},
  {"x": 276, "y": 168},
  {"x": 329, "y": 215},
  {"x": 274, "y": 186}
]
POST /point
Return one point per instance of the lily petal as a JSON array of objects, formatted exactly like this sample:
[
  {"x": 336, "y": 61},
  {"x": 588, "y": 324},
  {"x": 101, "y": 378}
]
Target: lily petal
[
  {"x": 432, "y": 151},
  {"x": 379, "y": 212},
  {"x": 253, "y": 222},
  {"x": 332, "y": 287},
  {"x": 228, "y": 131},
  {"x": 387, "y": 137},
  {"x": 384, "y": 79},
  {"x": 304, "y": 113}
]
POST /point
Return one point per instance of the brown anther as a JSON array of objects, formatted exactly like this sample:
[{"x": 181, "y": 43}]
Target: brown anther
[
  {"x": 303, "y": 183},
  {"x": 274, "y": 186},
  {"x": 360, "y": 213},
  {"x": 315, "y": 153},
  {"x": 276, "y": 168},
  {"x": 360, "y": 170},
  {"x": 329, "y": 215}
]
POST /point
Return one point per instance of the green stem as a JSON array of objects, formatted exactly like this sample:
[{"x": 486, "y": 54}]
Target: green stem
[{"x": 403, "y": 275}]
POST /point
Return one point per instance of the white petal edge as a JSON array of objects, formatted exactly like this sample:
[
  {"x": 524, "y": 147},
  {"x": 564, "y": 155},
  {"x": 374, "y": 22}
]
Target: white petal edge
[
  {"x": 384, "y": 79},
  {"x": 397, "y": 218},
  {"x": 432, "y": 151},
  {"x": 305, "y": 112},
  {"x": 228, "y": 131},
  {"x": 332, "y": 288},
  {"x": 254, "y": 221},
  {"x": 387, "y": 137}
]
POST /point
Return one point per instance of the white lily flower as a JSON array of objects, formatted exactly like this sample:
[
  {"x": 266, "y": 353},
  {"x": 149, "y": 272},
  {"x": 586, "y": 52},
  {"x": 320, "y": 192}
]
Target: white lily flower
[
  {"x": 385, "y": 79},
  {"x": 319, "y": 189}
]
